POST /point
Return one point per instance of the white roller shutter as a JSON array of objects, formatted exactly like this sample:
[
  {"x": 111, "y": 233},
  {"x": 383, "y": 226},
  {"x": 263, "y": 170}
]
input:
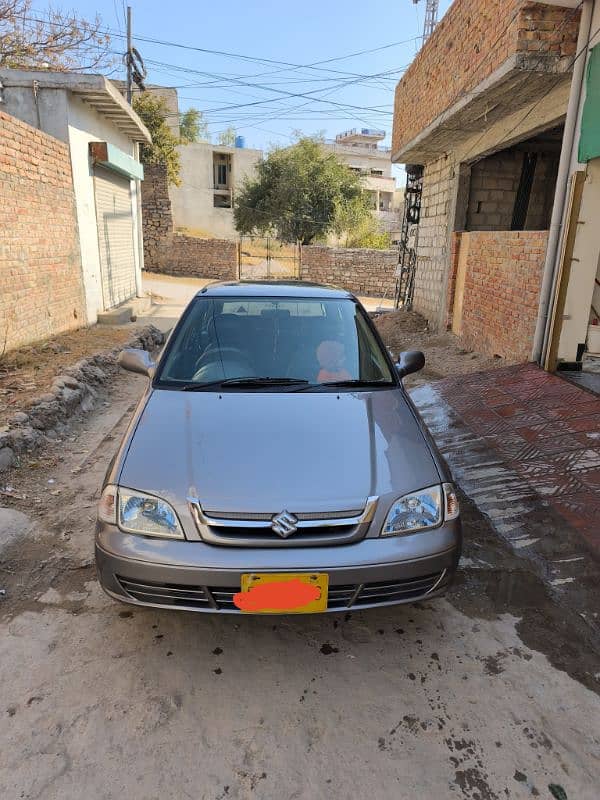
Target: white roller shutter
[{"x": 115, "y": 236}]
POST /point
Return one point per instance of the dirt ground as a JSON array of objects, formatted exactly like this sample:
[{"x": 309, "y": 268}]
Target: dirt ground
[
  {"x": 444, "y": 355},
  {"x": 487, "y": 694},
  {"x": 28, "y": 372}
]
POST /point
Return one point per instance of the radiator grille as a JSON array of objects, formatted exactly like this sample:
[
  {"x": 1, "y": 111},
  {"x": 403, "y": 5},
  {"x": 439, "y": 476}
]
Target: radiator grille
[{"x": 339, "y": 596}]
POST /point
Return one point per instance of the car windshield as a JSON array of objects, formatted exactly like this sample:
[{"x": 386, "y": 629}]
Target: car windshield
[{"x": 273, "y": 342}]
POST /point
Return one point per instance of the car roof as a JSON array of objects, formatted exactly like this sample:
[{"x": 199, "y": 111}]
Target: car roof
[{"x": 299, "y": 289}]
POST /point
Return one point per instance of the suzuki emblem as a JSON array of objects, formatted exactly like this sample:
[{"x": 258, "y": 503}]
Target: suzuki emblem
[{"x": 284, "y": 524}]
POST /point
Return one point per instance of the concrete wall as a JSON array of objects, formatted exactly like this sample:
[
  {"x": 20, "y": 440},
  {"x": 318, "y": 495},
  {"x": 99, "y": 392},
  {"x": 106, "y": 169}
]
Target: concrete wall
[
  {"x": 192, "y": 202},
  {"x": 365, "y": 272},
  {"x": 501, "y": 290},
  {"x": 41, "y": 286},
  {"x": 439, "y": 189},
  {"x": 87, "y": 125},
  {"x": 49, "y": 112}
]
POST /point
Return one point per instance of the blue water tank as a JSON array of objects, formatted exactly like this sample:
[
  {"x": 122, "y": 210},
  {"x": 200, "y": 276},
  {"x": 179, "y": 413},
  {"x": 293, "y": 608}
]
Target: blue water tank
[{"x": 240, "y": 141}]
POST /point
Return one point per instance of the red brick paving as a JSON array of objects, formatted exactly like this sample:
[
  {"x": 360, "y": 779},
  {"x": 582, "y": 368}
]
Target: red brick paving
[{"x": 545, "y": 429}]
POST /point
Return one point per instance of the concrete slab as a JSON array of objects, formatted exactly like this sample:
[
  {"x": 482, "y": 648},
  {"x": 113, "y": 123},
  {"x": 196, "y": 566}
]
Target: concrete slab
[{"x": 116, "y": 316}]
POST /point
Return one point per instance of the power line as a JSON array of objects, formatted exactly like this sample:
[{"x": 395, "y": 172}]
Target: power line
[
  {"x": 253, "y": 59},
  {"x": 225, "y": 81},
  {"x": 306, "y": 95}
]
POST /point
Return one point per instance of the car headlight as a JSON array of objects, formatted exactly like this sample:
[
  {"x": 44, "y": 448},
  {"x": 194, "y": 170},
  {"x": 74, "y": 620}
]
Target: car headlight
[
  {"x": 136, "y": 512},
  {"x": 422, "y": 510}
]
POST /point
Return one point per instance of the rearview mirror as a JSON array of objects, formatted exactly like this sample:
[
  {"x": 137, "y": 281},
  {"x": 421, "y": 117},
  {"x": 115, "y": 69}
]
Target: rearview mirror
[
  {"x": 139, "y": 361},
  {"x": 409, "y": 362}
]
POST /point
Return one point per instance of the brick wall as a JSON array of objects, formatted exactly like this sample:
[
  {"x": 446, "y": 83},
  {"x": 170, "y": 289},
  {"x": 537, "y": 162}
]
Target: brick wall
[
  {"x": 472, "y": 40},
  {"x": 501, "y": 293},
  {"x": 173, "y": 253},
  {"x": 370, "y": 273},
  {"x": 41, "y": 285}
]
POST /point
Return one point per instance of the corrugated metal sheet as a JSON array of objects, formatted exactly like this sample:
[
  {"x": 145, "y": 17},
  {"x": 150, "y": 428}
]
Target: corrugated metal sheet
[{"x": 115, "y": 236}]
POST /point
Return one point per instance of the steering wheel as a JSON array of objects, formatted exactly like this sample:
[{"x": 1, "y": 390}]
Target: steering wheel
[
  {"x": 210, "y": 365},
  {"x": 215, "y": 354}
]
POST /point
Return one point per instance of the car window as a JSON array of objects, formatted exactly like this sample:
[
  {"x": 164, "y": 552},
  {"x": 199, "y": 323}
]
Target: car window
[
  {"x": 309, "y": 339},
  {"x": 252, "y": 308}
]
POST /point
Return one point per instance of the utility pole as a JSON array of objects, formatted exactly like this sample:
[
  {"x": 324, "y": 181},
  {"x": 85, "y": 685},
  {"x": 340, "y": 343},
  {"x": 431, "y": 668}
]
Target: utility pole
[
  {"x": 129, "y": 57},
  {"x": 136, "y": 71},
  {"x": 431, "y": 17}
]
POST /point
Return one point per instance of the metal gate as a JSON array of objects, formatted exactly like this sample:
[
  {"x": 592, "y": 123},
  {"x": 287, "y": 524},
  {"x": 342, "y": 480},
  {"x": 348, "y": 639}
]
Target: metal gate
[
  {"x": 409, "y": 238},
  {"x": 115, "y": 236},
  {"x": 264, "y": 258}
]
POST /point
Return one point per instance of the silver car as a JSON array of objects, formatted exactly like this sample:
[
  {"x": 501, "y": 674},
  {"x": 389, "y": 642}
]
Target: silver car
[{"x": 276, "y": 464}]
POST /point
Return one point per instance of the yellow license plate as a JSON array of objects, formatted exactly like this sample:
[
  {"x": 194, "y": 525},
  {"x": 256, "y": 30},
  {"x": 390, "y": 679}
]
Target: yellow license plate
[{"x": 283, "y": 593}]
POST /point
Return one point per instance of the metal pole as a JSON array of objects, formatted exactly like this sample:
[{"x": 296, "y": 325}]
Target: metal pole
[
  {"x": 540, "y": 337},
  {"x": 129, "y": 56}
]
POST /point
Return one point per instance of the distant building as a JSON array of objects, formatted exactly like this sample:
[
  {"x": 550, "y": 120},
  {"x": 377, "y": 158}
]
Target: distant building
[
  {"x": 210, "y": 176},
  {"x": 361, "y": 151}
]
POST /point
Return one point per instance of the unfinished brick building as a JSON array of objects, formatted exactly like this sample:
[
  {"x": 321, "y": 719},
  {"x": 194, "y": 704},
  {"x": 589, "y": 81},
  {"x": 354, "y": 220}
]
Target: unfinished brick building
[{"x": 482, "y": 108}]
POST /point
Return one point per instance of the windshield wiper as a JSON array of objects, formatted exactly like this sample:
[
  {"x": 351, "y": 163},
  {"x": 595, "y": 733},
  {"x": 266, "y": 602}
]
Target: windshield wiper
[
  {"x": 251, "y": 380},
  {"x": 350, "y": 383}
]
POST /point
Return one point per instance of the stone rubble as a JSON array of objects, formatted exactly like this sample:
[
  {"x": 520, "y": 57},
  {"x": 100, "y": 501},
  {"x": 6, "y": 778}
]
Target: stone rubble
[{"x": 76, "y": 389}]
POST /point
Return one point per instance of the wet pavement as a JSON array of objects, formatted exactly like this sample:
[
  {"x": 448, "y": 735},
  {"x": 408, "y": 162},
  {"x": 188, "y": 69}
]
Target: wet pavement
[{"x": 525, "y": 448}]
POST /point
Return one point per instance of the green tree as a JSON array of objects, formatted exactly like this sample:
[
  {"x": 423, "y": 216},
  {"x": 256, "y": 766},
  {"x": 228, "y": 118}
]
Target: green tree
[
  {"x": 193, "y": 127},
  {"x": 153, "y": 112},
  {"x": 52, "y": 39},
  {"x": 367, "y": 234},
  {"x": 299, "y": 193},
  {"x": 227, "y": 137}
]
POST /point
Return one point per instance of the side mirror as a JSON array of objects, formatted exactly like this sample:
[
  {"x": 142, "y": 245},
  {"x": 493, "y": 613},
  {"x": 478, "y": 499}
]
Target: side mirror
[
  {"x": 409, "y": 362},
  {"x": 138, "y": 361}
]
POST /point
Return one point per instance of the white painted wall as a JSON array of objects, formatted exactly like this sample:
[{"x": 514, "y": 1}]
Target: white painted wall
[
  {"x": 192, "y": 202},
  {"x": 86, "y": 125}
]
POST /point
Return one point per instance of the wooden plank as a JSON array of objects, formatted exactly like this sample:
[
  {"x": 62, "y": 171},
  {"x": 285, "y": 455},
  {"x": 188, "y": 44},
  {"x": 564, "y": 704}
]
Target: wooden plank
[
  {"x": 459, "y": 284},
  {"x": 564, "y": 272}
]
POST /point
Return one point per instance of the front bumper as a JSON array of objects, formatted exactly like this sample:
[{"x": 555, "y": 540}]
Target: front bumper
[{"x": 195, "y": 576}]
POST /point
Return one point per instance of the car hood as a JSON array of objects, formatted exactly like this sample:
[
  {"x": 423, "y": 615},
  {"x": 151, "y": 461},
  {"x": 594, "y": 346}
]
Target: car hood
[{"x": 268, "y": 451}]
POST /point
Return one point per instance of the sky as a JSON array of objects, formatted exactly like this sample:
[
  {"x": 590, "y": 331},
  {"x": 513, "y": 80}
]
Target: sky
[{"x": 254, "y": 84}]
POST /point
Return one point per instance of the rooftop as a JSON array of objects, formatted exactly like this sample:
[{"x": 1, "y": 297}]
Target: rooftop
[
  {"x": 299, "y": 289},
  {"x": 95, "y": 90},
  {"x": 458, "y": 86}
]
